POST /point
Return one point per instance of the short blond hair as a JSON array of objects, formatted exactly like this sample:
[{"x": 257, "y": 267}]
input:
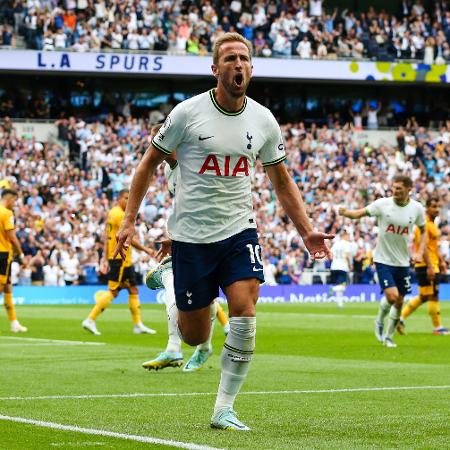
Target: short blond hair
[{"x": 230, "y": 37}]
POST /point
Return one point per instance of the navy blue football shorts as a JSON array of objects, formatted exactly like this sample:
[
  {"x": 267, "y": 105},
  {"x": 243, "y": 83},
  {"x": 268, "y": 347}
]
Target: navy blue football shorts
[
  {"x": 339, "y": 277},
  {"x": 393, "y": 276},
  {"x": 199, "y": 270}
]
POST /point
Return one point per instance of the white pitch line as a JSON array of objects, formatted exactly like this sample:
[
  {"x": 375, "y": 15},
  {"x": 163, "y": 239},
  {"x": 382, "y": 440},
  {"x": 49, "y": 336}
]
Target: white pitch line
[
  {"x": 51, "y": 341},
  {"x": 92, "y": 431},
  {"x": 37, "y": 344},
  {"x": 197, "y": 394}
]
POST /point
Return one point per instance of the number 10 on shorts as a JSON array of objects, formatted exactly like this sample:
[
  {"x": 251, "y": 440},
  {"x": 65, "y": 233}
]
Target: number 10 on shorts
[{"x": 255, "y": 253}]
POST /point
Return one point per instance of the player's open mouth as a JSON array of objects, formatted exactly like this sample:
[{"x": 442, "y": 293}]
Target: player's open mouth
[{"x": 238, "y": 79}]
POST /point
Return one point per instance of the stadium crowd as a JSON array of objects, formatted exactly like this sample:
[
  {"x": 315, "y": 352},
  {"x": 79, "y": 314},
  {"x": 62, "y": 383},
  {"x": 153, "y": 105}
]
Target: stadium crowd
[
  {"x": 67, "y": 187},
  {"x": 306, "y": 28}
]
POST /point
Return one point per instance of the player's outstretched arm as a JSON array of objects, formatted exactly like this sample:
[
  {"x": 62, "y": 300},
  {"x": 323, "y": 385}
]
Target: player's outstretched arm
[
  {"x": 292, "y": 202},
  {"x": 142, "y": 248},
  {"x": 139, "y": 185},
  {"x": 352, "y": 213}
]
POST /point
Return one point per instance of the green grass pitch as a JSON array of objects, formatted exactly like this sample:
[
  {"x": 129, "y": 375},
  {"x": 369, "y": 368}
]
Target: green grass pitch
[{"x": 299, "y": 348}]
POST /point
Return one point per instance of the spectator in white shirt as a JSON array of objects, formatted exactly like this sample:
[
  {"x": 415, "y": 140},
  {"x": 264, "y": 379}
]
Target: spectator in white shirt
[
  {"x": 60, "y": 40},
  {"x": 71, "y": 267},
  {"x": 315, "y": 8},
  {"x": 270, "y": 272},
  {"x": 81, "y": 45},
  {"x": 116, "y": 38},
  {"x": 53, "y": 274},
  {"x": 304, "y": 48}
]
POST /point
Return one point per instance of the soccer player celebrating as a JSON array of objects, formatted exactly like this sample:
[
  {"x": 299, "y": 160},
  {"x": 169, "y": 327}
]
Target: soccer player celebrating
[
  {"x": 217, "y": 136},
  {"x": 396, "y": 218},
  {"x": 121, "y": 274},
  {"x": 9, "y": 245},
  {"x": 428, "y": 286}
]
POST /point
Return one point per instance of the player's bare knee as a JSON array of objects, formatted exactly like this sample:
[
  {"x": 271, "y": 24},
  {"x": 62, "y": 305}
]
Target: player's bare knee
[
  {"x": 393, "y": 298},
  {"x": 194, "y": 337},
  {"x": 243, "y": 311}
]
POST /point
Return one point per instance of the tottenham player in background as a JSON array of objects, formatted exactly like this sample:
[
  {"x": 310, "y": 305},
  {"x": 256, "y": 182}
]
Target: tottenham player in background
[
  {"x": 341, "y": 266},
  {"x": 396, "y": 218},
  {"x": 217, "y": 136}
]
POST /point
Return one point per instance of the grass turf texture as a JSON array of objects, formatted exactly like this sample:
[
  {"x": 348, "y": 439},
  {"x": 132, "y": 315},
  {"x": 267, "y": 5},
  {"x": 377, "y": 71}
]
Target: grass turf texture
[{"x": 299, "y": 347}]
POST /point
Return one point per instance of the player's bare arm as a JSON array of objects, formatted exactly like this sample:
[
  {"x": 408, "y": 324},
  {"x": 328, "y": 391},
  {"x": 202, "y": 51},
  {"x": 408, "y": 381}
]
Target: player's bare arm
[
  {"x": 423, "y": 254},
  {"x": 104, "y": 264},
  {"x": 349, "y": 261},
  {"x": 139, "y": 185},
  {"x": 165, "y": 249},
  {"x": 15, "y": 243},
  {"x": 353, "y": 214},
  {"x": 142, "y": 248},
  {"x": 292, "y": 202},
  {"x": 442, "y": 265}
]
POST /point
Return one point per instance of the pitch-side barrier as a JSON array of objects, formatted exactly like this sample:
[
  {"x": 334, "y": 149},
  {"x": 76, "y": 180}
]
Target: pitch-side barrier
[{"x": 77, "y": 295}]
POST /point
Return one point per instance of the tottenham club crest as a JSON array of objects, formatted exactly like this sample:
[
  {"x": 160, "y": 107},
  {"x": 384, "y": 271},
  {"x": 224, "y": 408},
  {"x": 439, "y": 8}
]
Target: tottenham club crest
[{"x": 249, "y": 138}]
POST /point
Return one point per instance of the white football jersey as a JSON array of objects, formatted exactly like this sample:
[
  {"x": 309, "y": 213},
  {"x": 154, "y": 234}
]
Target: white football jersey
[
  {"x": 172, "y": 177},
  {"x": 216, "y": 153},
  {"x": 396, "y": 224},
  {"x": 341, "y": 251}
]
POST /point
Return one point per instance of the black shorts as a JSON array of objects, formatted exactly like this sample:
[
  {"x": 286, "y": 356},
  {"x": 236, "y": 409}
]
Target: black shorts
[
  {"x": 5, "y": 268},
  {"x": 426, "y": 287},
  {"x": 199, "y": 270},
  {"x": 120, "y": 276}
]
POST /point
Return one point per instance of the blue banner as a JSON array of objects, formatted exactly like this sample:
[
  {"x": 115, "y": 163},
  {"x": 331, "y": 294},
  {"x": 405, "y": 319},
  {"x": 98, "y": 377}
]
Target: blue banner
[
  {"x": 81, "y": 295},
  {"x": 75, "y": 295}
]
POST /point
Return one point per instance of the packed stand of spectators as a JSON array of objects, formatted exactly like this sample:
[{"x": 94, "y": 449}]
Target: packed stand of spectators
[
  {"x": 306, "y": 28},
  {"x": 67, "y": 188}
]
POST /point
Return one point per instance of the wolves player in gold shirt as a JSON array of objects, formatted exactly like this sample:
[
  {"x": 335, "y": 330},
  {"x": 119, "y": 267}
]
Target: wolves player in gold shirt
[
  {"x": 428, "y": 285},
  {"x": 121, "y": 274},
  {"x": 9, "y": 244}
]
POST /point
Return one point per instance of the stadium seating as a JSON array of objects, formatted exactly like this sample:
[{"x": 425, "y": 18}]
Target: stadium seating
[{"x": 306, "y": 29}]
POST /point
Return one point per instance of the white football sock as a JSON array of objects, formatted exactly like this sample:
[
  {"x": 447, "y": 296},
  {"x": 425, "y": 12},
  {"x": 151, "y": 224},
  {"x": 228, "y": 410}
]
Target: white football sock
[
  {"x": 236, "y": 356},
  {"x": 383, "y": 309},
  {"x": 339, "y": 295},
  {"x": 174, "y": 341},
  {"x": 394, "y": 317},
  {"x": 206, "y": 346}
]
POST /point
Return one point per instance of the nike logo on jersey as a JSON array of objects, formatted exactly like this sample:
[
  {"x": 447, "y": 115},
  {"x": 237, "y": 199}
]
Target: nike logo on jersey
[
  {"x": 256, "y": 270},
  {"x": 203, "y": 138}
]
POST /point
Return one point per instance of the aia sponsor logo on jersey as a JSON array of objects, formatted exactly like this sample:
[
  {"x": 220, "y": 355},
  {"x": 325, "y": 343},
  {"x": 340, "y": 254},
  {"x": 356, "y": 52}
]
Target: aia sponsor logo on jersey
[
  {"x": 397, "y": 229},
  {"x": 225, "y": 166}
]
